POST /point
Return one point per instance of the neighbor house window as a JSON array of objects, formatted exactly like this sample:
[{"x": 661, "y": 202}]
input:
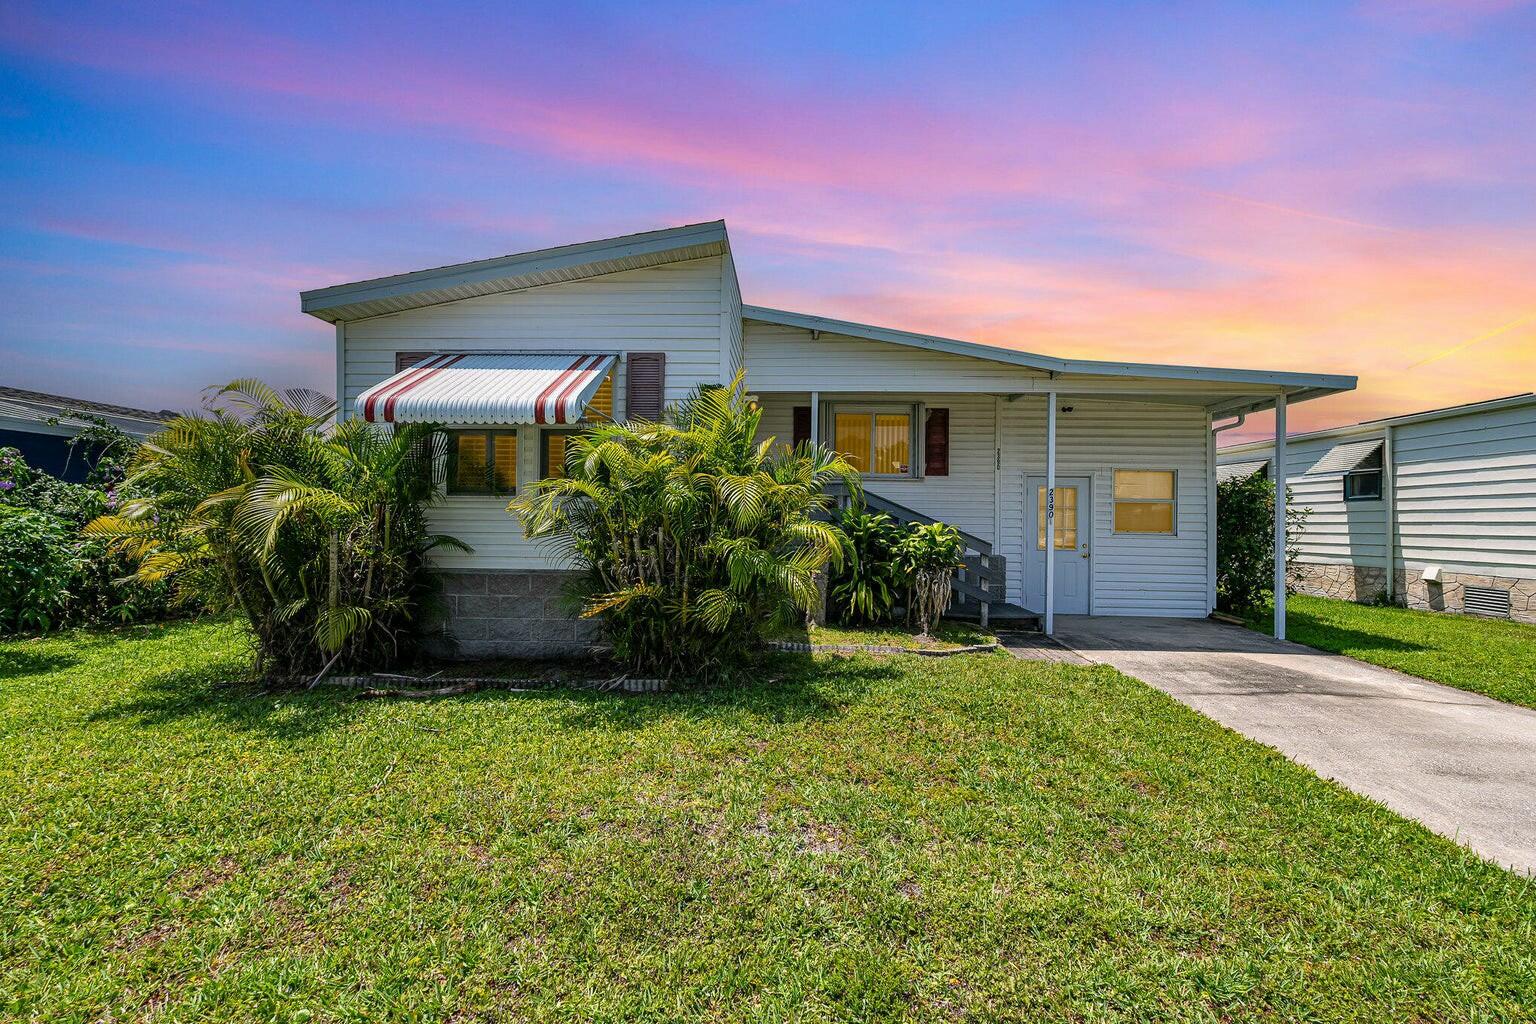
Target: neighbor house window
[
  {"x": 1144, "y": 500},
  {"x": 878, "y": 442},
  {"x": 1364, "y": 485},
  {"x": 482, "y": 461}
]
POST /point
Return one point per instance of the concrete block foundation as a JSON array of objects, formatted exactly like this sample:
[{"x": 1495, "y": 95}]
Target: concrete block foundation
[{"x": 514, "y": 613}]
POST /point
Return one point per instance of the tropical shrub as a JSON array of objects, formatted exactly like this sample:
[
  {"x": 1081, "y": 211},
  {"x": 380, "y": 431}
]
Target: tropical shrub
[
  {"x": 928, "y": 555},
  {"x": 94, "y": 588},
  {"x": 1245, "y": 541},
  {"x": 865, "y": 591},
  {"x": 35, "y": 570},
  {"x": 317, "y": 534},
  {"x": 692, "y": 535}
]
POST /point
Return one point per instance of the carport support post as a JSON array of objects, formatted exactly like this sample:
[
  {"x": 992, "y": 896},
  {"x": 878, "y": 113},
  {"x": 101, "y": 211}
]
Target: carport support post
[
  {"x": 1050, "y": 513},
  {"x": 1279, "y": 477},
  {"x": 815, "y": 417}
]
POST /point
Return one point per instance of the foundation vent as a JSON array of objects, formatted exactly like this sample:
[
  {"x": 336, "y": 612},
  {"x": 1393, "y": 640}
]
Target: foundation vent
[{"x": 1485, "y": 601}]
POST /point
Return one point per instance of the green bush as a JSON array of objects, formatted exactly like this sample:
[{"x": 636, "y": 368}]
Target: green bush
[
  {"x": 36, "y": 566},
  {"x": 1245, "y": 541},
  {"x": 316, "y": 533},
  {"x": 928, "y": 555},
  {"x": 865, "y": 591},
  {"x": 692, "y": 535},
  {"x": 95, "y": 588}
]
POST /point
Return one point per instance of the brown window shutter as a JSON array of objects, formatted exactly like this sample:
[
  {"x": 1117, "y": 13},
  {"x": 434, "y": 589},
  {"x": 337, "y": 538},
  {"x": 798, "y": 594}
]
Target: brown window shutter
[
  {"x": 406, "y": 360},
  {"x": 645, "y": 385},
  {"x": 936, "y": 443},
  {"x": 802, "y": 427}
]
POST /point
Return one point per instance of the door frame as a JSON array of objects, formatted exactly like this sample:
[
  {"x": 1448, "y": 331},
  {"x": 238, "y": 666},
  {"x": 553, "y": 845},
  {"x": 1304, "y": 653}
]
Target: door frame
[{"x": 1085, "y": 510}]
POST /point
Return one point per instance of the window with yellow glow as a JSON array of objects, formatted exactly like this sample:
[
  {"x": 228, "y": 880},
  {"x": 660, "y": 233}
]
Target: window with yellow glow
[
  {"x": 552, "y": 462},
  {"x": 1066, "y": 519},
  {"x": 877, "y": 443},
  {"x": 1145, "y": 501},
  {"x": 601, "y": 405},
  {"x": 482, "y": 461}
]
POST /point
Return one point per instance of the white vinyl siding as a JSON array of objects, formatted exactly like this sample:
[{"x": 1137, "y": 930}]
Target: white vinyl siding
[
  {"x": 1135, "y": 574},
  {"x": 1132, "y": 574},
  {"x": 676, "y": 308},
  {"x": 1465, "y": 493}
]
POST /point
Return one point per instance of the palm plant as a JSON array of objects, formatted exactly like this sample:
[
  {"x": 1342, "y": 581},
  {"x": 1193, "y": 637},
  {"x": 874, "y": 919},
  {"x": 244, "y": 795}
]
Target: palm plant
[
  {"x": 692, "y": 535},
  {"x": 317, "y": 535},
  {"x": 870, "y": 583}
]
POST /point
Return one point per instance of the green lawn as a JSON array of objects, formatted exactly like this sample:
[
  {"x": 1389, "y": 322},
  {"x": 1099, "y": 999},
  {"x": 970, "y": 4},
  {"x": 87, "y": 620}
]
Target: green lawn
[
  {"x": 848, "y": 839},
  {"x": 1490, "y": 656},
  {"x": 948, "y": 634}
]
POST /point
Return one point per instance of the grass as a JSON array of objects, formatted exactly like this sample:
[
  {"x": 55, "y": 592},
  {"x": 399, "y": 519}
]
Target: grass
[
  {"x": 851, "y": 839},
  {"x": 947, "y": 635},
  {"x": 1494, "y": 657}
]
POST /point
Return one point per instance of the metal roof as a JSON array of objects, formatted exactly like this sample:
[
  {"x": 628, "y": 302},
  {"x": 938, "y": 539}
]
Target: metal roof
[
  {"x": 1240, "y": 470},
  {"x": 375, "y": 297},
  {"x": 21, "y": 409},
  {"x": 488, "y": 388},
  {"x": 1299, "y": 386}
]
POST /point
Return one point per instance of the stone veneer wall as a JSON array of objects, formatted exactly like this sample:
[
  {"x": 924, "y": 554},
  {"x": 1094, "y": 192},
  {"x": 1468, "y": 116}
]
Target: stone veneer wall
[
  {"x": 513, "y": 613},
  {"x": 1366, "y": 583}
]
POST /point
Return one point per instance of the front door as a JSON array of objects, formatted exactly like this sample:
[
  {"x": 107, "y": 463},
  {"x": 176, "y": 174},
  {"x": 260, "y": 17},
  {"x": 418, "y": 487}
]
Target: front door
[{"x": 1074, "y": 532}]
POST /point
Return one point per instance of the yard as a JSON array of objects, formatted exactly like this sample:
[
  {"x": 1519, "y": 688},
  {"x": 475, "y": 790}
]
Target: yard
[
  {"x": 1489, "y": 656},
  {"x": 847, "y": 839}
]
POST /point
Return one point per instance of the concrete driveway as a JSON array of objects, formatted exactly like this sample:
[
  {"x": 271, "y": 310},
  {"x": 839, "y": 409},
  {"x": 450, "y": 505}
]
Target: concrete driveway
[{"x": 1462, "y": 764}]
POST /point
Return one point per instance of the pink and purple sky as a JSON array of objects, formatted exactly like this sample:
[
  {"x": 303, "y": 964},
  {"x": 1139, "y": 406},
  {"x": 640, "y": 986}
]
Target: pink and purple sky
[{"x": 1346, "y": 188}]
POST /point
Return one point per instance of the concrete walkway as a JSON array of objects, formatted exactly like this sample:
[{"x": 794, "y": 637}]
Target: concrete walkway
[{"x": 1461, "y": 763}]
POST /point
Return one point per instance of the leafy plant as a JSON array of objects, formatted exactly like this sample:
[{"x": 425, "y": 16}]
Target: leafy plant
[
  {"x": 1245, "y": 541},
  {"x": 866, "y": 590},
  {"x": 316, "y": 533},
  {"x": 35, "y": 570},
  {"x": 692, "y": 534},
  {"x": 928, "y": 555}
]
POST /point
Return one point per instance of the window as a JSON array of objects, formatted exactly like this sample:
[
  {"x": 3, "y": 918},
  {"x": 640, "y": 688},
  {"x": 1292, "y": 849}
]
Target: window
[
  {"x": 1066, "y": 519},
  {"x": 552, "y": 459},
  {"x": 1364, "y": 485},
  {"x": 875, "y": 441},
  {"x": 1144, "y": 500},
  {"x": 482, "y": 461},
  {"x": 601, "y": 406}
]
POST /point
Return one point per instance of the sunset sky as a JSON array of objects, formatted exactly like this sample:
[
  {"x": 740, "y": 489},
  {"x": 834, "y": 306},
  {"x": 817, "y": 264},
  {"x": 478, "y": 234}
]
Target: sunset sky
[{"x": 1345, "y": 189}]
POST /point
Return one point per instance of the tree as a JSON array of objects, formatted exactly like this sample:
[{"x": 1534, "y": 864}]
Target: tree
[{"x": 692, "y": 535}]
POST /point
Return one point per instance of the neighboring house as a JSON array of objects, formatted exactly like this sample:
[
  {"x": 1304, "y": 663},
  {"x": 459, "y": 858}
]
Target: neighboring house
[
  {"x": 510, "y": 354},
  {"x": 1447, "y": 497},
  {"x": 24, "y": 425}
]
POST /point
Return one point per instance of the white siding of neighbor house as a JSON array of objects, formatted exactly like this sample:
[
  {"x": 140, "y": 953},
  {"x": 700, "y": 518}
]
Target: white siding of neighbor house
[
  {"x": 1131, "y": 575},
  {"x": 676, "y": 308},
  {"x": 1466, "y": 496}
]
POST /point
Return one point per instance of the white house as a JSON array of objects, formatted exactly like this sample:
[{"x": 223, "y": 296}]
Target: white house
[
  {"x": 509, "y": 354},
  {"x": 1446, "y": 498}
]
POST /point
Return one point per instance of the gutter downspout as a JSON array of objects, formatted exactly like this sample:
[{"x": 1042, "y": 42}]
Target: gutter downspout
[{"x": 1210, "y": 504}]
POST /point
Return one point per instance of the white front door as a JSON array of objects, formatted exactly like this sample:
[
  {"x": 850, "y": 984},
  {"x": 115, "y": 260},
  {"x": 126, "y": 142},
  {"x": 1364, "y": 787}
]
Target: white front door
[{"x": 1074, "y": 533}]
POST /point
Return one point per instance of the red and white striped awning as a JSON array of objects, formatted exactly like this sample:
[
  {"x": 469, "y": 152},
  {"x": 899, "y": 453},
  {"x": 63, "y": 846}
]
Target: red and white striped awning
[{"x": 470, "y": 387}]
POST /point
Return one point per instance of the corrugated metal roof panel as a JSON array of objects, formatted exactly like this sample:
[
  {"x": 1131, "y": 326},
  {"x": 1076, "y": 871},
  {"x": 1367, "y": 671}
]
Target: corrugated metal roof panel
[
  {"x": 1350, "y": 456},
  {"x": 1240, "y": 470},
  {"x": 489, "y": 388}
]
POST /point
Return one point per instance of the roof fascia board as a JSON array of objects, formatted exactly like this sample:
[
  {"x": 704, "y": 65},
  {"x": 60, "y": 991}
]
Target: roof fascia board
[
  {"x": 1084, "y": 367},
  {"x": 538, "y": 261}
]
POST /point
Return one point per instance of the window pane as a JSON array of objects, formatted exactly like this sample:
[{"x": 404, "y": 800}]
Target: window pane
[
  {"x": 893, "y": 443},
  {"x": 469, "y": 462},
  {"x": 554, "y": 454},
  {"x": 601, "y": 406},
  {"x": 506, "y": 463},
  {"x": 850, "y": 435},
  {"x": 1362, "y": 485},
  {"x": 1066, "y": 518},
  {"x": 1143, "y": 517},
  {"x": 1144, "y": 483}
]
